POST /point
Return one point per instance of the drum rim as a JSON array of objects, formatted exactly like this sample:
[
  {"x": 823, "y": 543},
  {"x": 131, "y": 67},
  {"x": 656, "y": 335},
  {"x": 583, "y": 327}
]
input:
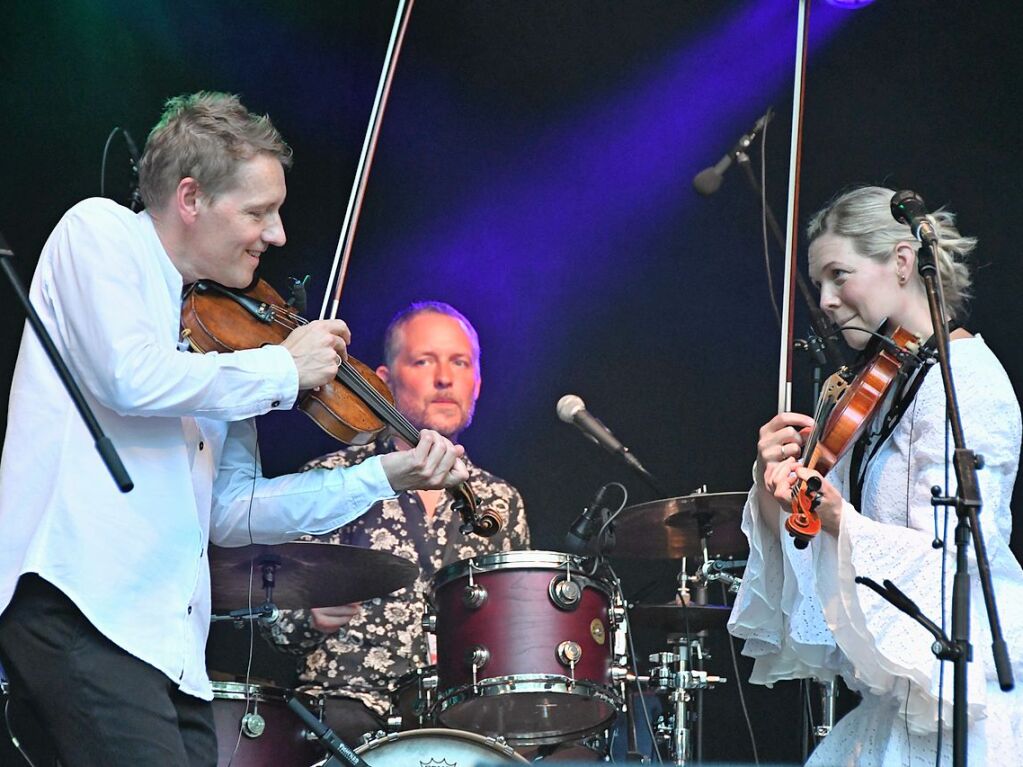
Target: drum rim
[
  {"x": 523, "y": 559},
  {"x": 442, "y": 732},
  {"x": 529, "y": 683}
]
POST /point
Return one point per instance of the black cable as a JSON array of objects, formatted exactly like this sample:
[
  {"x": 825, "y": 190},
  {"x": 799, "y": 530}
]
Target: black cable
[
  {"x": 739, "y": 685},
  {"x": 103, "y": 163},
  {"x": 763, "y": 222},
  {"x": 13, "y": 737}
]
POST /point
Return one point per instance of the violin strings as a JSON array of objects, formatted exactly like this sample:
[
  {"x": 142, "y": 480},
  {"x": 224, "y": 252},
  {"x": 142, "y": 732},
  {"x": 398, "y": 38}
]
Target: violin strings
[{"x": 288, "y": 319}]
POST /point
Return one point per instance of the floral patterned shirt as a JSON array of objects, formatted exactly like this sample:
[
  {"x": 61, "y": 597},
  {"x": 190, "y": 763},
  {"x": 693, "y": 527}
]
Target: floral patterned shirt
[{"x": 385, "y": 640}]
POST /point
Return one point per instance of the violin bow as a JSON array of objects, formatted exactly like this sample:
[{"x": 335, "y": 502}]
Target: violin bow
[
  {"x": 792, "y": 223},
  {"x": 339, "y": 267}
]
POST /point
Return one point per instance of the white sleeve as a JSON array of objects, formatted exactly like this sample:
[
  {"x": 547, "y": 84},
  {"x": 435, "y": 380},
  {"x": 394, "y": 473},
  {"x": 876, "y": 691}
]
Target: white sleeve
[
  {"x": 110, "y": 313},
  {"x": 776, "y": 609},
  {"x": 249, "y": 508},
  {"x": 891, "y": 652}
]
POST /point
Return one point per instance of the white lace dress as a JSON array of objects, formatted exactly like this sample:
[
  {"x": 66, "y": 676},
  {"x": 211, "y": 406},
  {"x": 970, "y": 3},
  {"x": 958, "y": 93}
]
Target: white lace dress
[{"x": 802, "y": 615}]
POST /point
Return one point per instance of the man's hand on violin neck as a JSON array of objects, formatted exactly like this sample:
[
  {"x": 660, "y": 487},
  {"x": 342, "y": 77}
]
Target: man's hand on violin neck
[
  {"x": 432, "y": 464},
  {"x": 318, "y": 350}
]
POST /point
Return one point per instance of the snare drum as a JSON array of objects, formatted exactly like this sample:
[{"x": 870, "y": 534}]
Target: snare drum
[
  {"x": 256, "y": 719},
  {"x": 525, "y": 647}
]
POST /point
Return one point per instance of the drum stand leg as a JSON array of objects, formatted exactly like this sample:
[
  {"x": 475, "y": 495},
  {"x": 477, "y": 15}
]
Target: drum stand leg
[{"x": 828, "y": 696}]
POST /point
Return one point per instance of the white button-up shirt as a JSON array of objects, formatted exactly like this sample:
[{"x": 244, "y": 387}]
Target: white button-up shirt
[{"x": 135, "y": 563}]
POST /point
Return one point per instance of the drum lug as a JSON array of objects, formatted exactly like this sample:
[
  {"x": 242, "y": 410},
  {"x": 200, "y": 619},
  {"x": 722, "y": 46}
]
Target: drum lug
[
  {"x": 429, "y": 622},
  {"x": 569, "y": 653},
  {"x": 477, "y": 657},
  {"x": 253, "y": 725},
  {"x": 565, "y": 593},
  {"x": 473, "y": 596}
]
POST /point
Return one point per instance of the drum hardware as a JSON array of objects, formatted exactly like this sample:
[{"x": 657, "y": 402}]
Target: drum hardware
[
  {"x": 828, "y": 695},
  {"x": 477, "y": 657},
  {"x": 674, "y": 673},
  {"x": 569, "y": 653},
  {"x": 474, "y": 596},
  {"x": 330, "y": 741},
  {"x": 564, "y": 592}
]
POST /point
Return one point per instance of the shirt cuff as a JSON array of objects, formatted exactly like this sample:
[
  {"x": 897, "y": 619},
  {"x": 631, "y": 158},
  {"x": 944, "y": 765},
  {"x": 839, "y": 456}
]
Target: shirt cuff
[
  {"x": 284, "y": 363},
  {"x": 364, "y": 483}
]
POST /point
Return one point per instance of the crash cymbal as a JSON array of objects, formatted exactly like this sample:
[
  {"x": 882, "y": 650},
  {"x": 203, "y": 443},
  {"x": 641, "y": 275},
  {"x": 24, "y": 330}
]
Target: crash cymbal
[
  {"x": 670, "y": 528},
  {"x": 680, "y": 619},
  {"x": 306, "y": 574}
]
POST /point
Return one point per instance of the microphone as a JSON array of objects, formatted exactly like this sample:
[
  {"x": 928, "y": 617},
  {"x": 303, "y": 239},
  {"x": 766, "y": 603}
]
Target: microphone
[
  {"x": 135, "y": 203},
  {"x": 587, "y": 524},
  {"x": 909, "y": 208},
  {"x": 571, "y": 409},
  {"x": 709, "y": 180},
  {"x": 132, "y": 149}
]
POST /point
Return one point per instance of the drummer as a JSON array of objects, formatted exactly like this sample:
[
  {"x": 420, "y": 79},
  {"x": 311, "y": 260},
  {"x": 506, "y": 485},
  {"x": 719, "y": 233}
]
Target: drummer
[{"x": 355, "y": 654}]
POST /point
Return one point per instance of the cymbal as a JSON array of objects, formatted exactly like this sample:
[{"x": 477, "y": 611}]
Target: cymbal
[
  {"x": 306, "y": 574},
  {"x": 680, "y": 619},
  {"x": 670, "y": 528}
]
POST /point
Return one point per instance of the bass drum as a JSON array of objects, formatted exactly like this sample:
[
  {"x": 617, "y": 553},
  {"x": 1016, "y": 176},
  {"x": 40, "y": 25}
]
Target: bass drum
[{"x": 433, "y": 747}]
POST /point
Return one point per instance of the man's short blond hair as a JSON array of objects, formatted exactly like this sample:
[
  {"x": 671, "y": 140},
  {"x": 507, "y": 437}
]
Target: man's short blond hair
[{"x": 205, "y": 136}]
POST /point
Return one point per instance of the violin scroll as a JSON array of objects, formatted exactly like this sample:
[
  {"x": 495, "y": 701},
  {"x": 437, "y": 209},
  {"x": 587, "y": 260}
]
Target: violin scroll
[{"x": 804, "y": 523}]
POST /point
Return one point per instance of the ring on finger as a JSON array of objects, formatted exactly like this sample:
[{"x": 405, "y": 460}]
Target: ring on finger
[{"x": 337, "y": 360}]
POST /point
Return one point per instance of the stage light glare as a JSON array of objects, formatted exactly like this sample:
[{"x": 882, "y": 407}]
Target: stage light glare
[{"x": 849, "y": 5}]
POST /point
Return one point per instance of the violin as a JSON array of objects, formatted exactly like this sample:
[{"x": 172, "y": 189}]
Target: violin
[
  {"x": 353, "y": 408},
  {"x": 843, "y": 412}
]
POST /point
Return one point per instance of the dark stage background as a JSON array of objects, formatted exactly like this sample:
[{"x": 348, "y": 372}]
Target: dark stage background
[{"x": 534, "y": 170}]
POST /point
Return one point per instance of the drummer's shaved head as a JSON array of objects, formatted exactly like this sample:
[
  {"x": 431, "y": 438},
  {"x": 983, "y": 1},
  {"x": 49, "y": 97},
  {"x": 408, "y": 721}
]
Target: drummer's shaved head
[{"x": 393, "y": 337}]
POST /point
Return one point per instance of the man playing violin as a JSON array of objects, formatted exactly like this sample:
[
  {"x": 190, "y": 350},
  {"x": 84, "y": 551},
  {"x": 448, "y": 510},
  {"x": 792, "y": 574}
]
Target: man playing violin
[
  {"x": 106, "y": 596},
  {"x": 800, "y": 611},
  {"x": 355, "y": 654}
]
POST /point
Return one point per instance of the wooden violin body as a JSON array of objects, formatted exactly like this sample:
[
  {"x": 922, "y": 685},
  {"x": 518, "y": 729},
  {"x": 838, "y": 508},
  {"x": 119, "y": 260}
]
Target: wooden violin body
[
  {"x": 842, "y": 415},
  {"x": 215, "y": 318},
  {"x": 353, "y": 408}
]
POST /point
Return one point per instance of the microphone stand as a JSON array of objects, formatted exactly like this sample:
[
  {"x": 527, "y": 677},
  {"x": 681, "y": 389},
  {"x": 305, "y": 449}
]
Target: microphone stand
[
  {"x": 327, "y": 736},
  {"x": 967, "y": 504},
  {"x": 822, "y": 347},
  {"x": 105, "y": 448}
]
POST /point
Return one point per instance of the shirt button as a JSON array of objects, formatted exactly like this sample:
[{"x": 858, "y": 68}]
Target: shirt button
[
  {"x": 201, "y": 444},
  {"x": 275, "y": 403},
  {"x": 190, "y": 609}
]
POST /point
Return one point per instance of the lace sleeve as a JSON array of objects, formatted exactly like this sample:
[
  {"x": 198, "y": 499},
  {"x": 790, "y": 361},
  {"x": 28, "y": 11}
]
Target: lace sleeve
[{"x": 893, "y": 539}]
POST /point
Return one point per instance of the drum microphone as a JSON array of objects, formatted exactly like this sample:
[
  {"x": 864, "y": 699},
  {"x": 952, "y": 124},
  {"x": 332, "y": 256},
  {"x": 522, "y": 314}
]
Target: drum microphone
[
  {"x": 908, "y": 208},
  {"x": 709, "y": 180},
  {"x": 586, "y": 524},
  {"x": 572, "y": 409}
]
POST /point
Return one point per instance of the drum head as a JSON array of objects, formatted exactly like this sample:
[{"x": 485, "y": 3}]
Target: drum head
[
  {"x": 435, "y": 747},
  {"x": 529, "y": 713}
]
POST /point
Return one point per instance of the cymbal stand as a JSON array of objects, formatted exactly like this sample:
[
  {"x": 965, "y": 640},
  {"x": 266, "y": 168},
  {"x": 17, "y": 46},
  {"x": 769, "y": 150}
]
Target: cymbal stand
[
  {"x": 673, "y": 672},
  {"x": 828, "y": 693},
  {"x": 266, "y": 612}
]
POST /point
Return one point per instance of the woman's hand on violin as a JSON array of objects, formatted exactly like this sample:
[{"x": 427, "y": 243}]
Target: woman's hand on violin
[
  {"x": 432, "y": 464},
  {"x": 780, "y": 480},
  {"x": 318, "y": 349},
  {"x": 330, "y": 619},
  {"x": 781, "y": 439}
]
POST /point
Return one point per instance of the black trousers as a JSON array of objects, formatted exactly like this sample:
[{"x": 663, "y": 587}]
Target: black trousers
[{"x": 99, "y": 706}]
